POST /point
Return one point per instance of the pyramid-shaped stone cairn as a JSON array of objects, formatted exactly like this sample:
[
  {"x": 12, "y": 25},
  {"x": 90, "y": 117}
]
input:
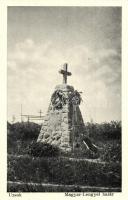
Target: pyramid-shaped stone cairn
[{"x": 63, "y": 125}]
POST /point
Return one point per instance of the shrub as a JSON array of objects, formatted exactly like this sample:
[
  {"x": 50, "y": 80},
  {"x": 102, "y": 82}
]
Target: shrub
[
  {"x": 104, "y": 130},
  {"x": 39, "y": 149},
  {"x": 24, "y": 131},
  {"x": 112, "y": 153}
]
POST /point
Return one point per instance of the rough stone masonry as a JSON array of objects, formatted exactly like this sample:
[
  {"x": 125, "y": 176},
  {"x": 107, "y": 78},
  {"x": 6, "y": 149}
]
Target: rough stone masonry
[{"x": 63, "y": 125}]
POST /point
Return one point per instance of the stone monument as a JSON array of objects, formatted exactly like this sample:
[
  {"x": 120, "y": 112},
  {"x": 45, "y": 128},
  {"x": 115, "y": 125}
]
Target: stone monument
[{"x": 63, "y": 125}]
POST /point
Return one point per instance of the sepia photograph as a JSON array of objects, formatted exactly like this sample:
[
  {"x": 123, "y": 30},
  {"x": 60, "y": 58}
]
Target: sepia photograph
[{"x": 64, "y": 124}]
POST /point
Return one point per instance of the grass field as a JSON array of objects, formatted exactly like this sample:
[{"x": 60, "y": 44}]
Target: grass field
[{"x": 63, "y": 173}]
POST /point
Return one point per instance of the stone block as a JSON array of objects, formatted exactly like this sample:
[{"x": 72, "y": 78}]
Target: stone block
[
  {"x": 64, "y": 145},
  {"x": 55, "y": 142},
  {"x": 63, "y": 124},
  {"x": 45, "y": 124},
  {"x": 65, "y": 140},
  {"x": 65, "y": 120},
  {"x": 59, "y": 132},
  {"x": 58, "y": 137},
  {"x": 54, "y": 133},
  {"x": 46, "y": 135},
  {"x": 64, "y": 114}
]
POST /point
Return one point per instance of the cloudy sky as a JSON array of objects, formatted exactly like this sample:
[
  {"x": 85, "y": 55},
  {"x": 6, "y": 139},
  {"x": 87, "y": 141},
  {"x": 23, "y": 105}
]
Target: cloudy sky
[{"x": 41, "y": 39}]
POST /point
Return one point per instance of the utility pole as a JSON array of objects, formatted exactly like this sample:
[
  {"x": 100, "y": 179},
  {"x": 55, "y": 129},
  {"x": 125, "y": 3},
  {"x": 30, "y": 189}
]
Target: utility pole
[
  {"x": 21, "y": 113},
  {"x": 40, "y": 113},
  {"x": 28, "y": 118},
  {"x": 13, "y": 119}
]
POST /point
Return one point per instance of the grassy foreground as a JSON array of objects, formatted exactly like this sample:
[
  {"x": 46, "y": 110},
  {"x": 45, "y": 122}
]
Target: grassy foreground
[
  {"x": 63, "y": 171},
  {"x": 27, "y": 173}
]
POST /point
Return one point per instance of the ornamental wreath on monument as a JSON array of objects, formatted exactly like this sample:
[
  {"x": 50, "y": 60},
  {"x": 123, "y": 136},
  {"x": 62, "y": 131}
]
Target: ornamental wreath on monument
[{"x": 59, "y": 99}]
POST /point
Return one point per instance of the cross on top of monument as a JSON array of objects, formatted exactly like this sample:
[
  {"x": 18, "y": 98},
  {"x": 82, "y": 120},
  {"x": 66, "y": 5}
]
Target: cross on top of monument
[{"x": 65, "y": 73}]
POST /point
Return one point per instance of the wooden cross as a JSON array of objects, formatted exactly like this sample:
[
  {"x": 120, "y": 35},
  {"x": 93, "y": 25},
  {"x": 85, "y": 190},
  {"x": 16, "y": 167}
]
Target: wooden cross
[
  {"x": 65, "y": 73},
  {"x": 40, "y": 113}
]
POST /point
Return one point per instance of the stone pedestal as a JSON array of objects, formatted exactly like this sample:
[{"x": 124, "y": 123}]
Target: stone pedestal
[{"x": 63, "y": 127}]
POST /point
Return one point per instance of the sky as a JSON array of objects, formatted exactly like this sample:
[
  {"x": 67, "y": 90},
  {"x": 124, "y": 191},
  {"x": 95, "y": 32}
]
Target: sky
[{"x": 42, "y": 39}]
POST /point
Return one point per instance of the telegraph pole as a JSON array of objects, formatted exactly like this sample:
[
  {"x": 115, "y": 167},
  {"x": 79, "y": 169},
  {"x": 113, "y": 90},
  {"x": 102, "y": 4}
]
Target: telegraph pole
[
  {"x": 13, "y": 119},
  {"x": 21, "y": 113},
  {"x": 40, "y": 113}
]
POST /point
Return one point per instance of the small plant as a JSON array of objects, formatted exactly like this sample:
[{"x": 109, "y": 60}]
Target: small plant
[
  {"x": 112, "y": 153},
  {"x": 39, "y": 149}
]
